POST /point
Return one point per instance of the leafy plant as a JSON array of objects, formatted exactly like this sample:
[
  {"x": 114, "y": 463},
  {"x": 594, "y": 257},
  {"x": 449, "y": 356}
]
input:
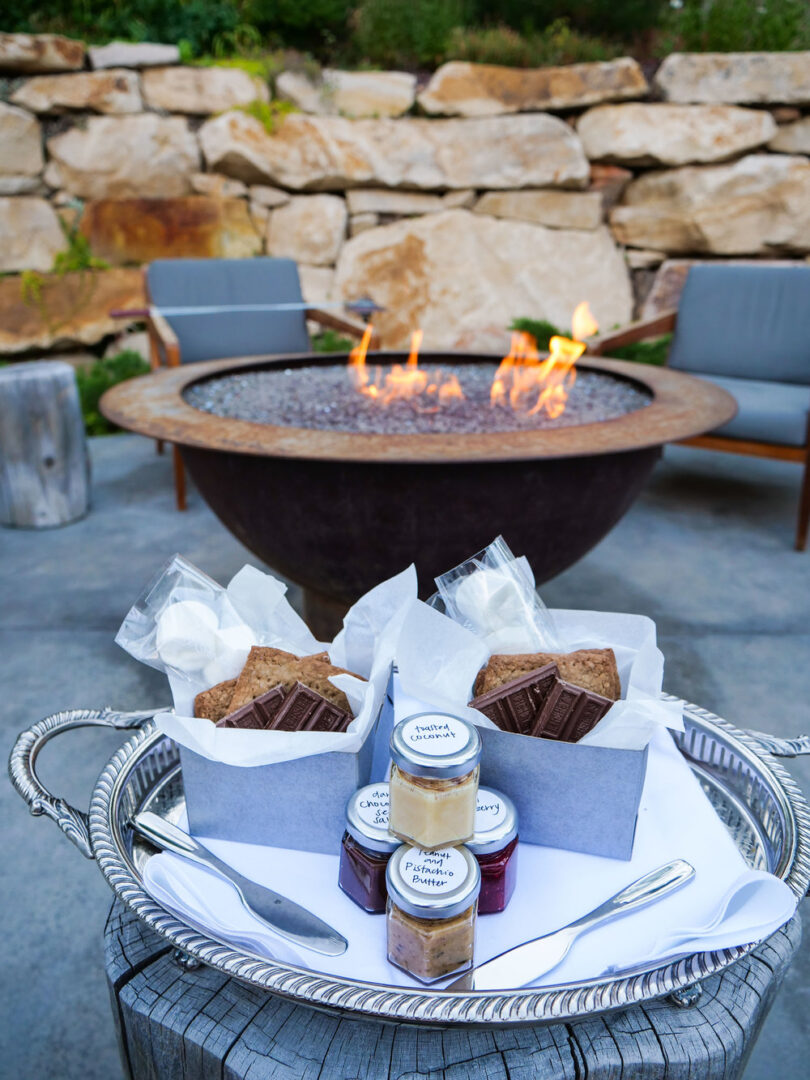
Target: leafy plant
[
  {"x": 558, "y": 43},
  {"x": 78, "y": 259},
  {"x": 315, "y": 24},
  {"x": 540, "y": 329},
  {"x": 654, "y": 351},
  {"x": 95, "y": 380},
  {"x": 270, "y": 114},
  {"x": 331, "y": 341},
  {"x": 405, "y": 33},
  {"x": 738, "y": 26}
]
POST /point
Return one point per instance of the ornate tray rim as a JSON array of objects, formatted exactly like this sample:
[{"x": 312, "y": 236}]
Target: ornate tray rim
[{"x": 426, "y": 1006}]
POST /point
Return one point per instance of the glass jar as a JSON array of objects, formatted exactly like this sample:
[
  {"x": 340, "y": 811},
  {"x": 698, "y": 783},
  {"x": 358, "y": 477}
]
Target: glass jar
[
  {"x": 432, "y": 904},
  {"x": 495, "y": 844},
  {"x": 367, "y": 846},
  {"x": 434, "y": 780}
]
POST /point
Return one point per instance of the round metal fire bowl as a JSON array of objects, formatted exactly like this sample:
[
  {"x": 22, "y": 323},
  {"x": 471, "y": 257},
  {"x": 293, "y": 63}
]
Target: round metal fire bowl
[{"x": 338, "y": 512}]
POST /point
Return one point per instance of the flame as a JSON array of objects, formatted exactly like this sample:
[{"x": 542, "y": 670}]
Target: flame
[
  {"x": 428, "y": 391},
  {"x": 531, "y": 385}
]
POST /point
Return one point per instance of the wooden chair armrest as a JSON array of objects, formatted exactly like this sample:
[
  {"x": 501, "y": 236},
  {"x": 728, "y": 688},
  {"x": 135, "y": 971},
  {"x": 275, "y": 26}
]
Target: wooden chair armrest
[
  {"x": 164, "y": 348},
  {"x": 345, "y": 323},
  {"x": 636, "y": 331}
]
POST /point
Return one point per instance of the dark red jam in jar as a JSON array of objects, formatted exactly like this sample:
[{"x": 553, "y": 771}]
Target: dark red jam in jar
[
  {"x": 367, "y": 847},
  {"x": 495, "y": 845}
]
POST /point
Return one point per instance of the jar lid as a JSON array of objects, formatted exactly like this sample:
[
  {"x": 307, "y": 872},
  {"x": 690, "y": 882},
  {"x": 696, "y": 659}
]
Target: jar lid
[
  {"x": 496, "y": 822},
  {"x": 367, "y": 819},
  {"x": 433, "y": 884},
  {"x": 435, "y": 745}
]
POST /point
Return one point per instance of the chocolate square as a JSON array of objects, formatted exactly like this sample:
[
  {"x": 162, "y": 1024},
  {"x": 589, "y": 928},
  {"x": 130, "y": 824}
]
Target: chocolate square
[
  {"x": 258, "y": 714},
  {"x": 304, "y": 709}
]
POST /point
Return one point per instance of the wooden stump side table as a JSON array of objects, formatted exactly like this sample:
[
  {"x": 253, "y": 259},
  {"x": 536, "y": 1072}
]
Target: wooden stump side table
[{"x": 175, "y": 1022}]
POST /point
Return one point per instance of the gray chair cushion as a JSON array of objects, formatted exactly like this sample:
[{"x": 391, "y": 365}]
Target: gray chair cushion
[
  {"x": 749, "y": 322},
  {"x": 768, "y": 412},
  {"x": 200, "y": 282}
]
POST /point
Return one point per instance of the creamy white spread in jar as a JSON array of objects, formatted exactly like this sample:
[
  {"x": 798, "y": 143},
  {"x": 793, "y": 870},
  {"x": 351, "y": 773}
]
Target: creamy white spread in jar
[
  {"x": 431, "y": 913},
  {"x": 434, "y": 780}
]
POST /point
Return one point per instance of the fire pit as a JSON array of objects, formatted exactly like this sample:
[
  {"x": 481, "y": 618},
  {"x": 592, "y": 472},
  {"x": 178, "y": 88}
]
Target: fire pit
[{"x": 339, "y": 510}]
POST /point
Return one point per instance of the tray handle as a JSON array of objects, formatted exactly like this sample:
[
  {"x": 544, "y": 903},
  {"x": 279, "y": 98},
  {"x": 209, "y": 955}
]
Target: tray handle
[
  {"x": 22, "y": 766},
  {"x": 782, "y": 747}
]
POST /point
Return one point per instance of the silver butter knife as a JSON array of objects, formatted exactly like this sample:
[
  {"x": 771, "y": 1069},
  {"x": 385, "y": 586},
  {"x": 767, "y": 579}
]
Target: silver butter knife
[
  {"x": 286, "y": 918},
  {"x": 524, "y": 963}
]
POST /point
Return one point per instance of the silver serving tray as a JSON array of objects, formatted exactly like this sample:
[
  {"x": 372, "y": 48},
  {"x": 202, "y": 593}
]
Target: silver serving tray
[{"x": 755, "y": 797}]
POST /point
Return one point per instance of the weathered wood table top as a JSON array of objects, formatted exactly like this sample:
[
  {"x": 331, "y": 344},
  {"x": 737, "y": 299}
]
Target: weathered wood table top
[{"x": 201, "y": 1025}]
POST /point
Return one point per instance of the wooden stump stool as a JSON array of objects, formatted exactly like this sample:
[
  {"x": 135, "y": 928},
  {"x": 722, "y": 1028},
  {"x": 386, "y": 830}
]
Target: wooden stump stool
[
  {"x": 44, "y": 467},
  {"x": 199, "y": 1025}
]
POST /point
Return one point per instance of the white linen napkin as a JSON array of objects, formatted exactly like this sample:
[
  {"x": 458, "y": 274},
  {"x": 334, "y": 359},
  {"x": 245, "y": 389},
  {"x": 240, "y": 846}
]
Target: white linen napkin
[{"x": 727, "y": 904}]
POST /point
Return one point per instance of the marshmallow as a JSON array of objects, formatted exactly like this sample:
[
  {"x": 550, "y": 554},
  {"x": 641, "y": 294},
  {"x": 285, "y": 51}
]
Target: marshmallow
[
  {"x": 492, "y": 601},
  {"x": 186, "y": 636}
]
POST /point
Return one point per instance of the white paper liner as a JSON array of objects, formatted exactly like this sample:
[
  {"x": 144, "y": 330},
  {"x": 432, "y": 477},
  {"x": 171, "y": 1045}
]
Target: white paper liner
[{"x": 727, "y": 904}]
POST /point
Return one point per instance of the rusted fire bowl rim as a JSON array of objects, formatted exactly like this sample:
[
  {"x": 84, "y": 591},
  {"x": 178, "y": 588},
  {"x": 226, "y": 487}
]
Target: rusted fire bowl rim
[{"x": 153, "y": 405}]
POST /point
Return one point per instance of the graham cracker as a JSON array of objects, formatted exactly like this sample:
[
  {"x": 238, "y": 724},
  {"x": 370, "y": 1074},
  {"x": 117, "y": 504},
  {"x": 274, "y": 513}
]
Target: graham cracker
[
  {"x": 215, "y": 703},
  {"x": 267, "y": 667},
  {"x": 591, "y": 669}
]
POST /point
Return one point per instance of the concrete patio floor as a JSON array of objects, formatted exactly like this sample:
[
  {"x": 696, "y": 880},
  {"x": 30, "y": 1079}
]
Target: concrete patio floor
[{"x": 706, "y": 552}]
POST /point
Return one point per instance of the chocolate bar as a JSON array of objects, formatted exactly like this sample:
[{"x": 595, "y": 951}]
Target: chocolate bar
[
  {"x": 514, "y": 706},
  {"x": 304, "y": 709},
  {"x": 542, "y": 704},
  {"x": 569, "y": 712},
  {"x": 258, "y": 714}
]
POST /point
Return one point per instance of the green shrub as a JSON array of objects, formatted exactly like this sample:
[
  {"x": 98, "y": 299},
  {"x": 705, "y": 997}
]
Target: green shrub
[
  {"x": 97, "y": 379},
  {"x": 270, "y": 114},
  {"x": 558, "y": 43},
  {"x": 405, "y": 33},
  {"x": 654, "y": 351},
  {"x": 331, "y": 341},
  {"x": 739, "y": 26},
  {"x": 311, "y": 24},
  {"x": 613, "y": 18},
  {"x": 540, "y": 329},
  {"x": 197, "y": 22}
]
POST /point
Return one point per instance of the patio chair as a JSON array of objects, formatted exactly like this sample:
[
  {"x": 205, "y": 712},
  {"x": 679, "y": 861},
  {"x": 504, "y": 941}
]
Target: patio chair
[
  {"x": 747, "y": 329},
  {"x": 223, "y": 333}
]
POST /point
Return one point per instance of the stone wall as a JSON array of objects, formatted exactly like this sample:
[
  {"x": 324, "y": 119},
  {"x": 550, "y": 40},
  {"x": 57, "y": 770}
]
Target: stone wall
[{"x": 484, "y": 194}]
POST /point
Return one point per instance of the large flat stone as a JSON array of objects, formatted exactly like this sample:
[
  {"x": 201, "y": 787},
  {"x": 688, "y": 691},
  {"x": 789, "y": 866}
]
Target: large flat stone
[
  {"x": 463, "y": 89},
  {"x": 658, "y": 134},
  {"x": 132, "y": 54},
  {"x": 17, "y": 184},
  {"x": 751, "y": 78},
  {"x": 114, "y": 91},
  {"x": 76, "y": 309},
  {"x": 31, "y": 53},
  {"x": 201, "y": 90},
  {"x": 322, "y": 153},
  {"x": 144, "y": 156},
  {"x": 385, "y": 201},
  {"x": 194, "y": 226},
  {"x": 349, "y": 93},
  {"x": 463, "y": 276},
  {"x": 758, "y": 205},
  {"x": 309, "y": 229},
  {"x": 792, "y": 138},
  {"x": 556, "y": 209},
  {"x": 20, "y": 143},
  {"x": 30, "y": 234}
]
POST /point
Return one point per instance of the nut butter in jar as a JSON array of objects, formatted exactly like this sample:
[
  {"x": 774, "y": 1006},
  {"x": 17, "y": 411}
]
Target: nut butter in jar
[
  {"x": 434, "y": 780},
  {"x": 495, "y": 846},
  {"x": 432, "y": 902},
  {"x": 367, "y": 846}
]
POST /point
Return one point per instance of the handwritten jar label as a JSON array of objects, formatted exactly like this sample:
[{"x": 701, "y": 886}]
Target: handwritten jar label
[
  {"x": 372, "y": 805},
  {"x": 490, "y": 811},
  {"x": 434, "y": 872},
  {"x": 436, "y": 736}
]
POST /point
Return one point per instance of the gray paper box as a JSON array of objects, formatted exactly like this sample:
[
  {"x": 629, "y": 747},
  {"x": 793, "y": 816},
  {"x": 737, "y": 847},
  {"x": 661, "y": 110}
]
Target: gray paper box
[
  {"x": 580, "y": 798},
  {"x": 294, "y": 804}
]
